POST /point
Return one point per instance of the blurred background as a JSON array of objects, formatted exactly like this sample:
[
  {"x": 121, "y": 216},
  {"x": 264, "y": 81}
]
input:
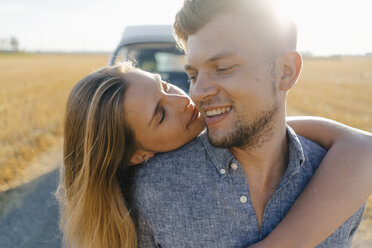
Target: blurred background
[{"x": 46, "y": 46}]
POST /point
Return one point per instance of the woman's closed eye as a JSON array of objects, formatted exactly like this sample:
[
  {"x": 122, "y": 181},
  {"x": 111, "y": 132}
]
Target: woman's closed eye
[{"x": 162, "y": 112}]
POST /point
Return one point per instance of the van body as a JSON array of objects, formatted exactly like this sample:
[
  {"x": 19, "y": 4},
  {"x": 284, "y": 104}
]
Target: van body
[{"x": 153, "y": 48}]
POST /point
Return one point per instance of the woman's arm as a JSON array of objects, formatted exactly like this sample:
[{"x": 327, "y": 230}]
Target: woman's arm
[{"x": 339, "y": 187}]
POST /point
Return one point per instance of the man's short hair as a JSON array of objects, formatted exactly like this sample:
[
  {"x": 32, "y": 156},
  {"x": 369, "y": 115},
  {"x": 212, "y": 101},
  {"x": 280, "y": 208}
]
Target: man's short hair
[{"x": 280, "y": 34}]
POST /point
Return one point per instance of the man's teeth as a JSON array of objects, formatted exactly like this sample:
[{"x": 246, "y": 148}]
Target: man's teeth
[{"x": 218, "y": 111}]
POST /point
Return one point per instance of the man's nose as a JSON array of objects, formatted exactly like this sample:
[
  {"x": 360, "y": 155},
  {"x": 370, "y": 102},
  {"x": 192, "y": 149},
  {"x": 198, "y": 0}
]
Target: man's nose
[{"x": 203, "y": 88}]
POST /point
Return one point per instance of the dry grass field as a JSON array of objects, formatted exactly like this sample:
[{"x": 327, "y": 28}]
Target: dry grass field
[
  {"x": 34, "y": 89},
  {"x": 337, "y": 88}
]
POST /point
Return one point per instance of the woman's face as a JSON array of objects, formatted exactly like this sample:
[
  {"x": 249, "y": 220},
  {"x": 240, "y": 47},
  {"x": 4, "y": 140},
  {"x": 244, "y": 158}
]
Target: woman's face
[{"x": 162, "y": 116}]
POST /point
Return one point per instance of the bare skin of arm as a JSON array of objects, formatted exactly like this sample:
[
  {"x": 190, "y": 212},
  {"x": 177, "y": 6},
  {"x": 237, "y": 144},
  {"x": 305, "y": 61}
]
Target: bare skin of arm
[{"x": 339, "y": 187}]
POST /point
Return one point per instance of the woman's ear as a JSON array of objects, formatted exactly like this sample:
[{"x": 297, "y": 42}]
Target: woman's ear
[
  {"x": 291, "y": 68},
  {"x": 141, "y": 156}
]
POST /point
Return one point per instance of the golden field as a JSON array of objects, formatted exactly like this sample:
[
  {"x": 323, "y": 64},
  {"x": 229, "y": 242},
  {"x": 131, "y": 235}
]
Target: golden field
[
  {"x": 337, "y": 88},
  {"x": 34, "y": 89}
]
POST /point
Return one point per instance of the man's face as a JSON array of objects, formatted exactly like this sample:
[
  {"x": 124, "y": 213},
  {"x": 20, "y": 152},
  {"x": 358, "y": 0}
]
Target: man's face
[{"x": 232, "y": 82}]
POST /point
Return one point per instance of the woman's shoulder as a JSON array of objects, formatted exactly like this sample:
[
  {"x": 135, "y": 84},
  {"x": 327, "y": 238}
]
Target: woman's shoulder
[{"x": 177, "y": 156}]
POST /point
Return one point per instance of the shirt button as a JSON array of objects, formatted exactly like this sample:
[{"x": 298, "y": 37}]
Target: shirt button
[
  {"x": 243, "y": 199},
  {"x": 234, "y": 166},
  {"x": 222, "y": 171}
]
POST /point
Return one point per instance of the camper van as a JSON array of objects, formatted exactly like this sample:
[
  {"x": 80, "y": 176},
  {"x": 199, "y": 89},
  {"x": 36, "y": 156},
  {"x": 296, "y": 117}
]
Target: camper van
[{"x": 153, "y": 48}]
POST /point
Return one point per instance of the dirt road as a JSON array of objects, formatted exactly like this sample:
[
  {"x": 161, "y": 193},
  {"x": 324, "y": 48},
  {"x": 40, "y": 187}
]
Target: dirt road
[{"x": 29, "y": 215}]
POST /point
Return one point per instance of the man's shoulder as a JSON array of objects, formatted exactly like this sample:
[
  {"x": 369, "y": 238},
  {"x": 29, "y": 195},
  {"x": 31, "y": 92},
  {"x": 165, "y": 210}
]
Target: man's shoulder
[{"x": 165, "y": 173}]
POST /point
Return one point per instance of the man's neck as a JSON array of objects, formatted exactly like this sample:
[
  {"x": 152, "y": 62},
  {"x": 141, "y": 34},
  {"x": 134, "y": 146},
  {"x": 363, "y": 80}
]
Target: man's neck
[
  {"x": 264, "y": 166},
  {"x": 270, "y": 156}
]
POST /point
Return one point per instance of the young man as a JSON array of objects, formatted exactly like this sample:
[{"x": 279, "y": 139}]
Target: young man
[{"x": 232, "y": 185}]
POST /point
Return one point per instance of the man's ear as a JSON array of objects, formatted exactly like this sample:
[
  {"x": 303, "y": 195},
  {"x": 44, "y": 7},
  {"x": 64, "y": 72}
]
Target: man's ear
[
  {"x": 140, "y": 156},
  {"x": 291, "y": 68}
]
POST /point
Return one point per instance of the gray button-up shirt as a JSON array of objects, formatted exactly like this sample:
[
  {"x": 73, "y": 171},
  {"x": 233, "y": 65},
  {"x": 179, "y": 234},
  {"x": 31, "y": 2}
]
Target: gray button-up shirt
[{"x": 198, "y": 196}]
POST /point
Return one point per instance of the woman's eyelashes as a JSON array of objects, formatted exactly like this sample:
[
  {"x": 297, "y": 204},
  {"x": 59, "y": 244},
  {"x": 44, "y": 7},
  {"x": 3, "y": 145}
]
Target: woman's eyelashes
[
  {"x": 166, "y": 86},
  {"x": 162, "y": 115}
]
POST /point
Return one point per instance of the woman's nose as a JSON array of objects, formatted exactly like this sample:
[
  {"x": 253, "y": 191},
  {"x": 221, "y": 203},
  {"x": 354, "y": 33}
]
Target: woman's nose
[{"x": 179, "y": 102}]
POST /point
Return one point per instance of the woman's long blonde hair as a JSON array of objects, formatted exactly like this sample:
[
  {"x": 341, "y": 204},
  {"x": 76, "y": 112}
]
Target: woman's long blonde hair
[{"x": 98, "y": 145}]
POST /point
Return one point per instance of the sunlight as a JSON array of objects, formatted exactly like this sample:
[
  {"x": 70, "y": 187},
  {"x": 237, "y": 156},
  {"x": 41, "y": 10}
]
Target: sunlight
[{"x": 327, "y": 27}]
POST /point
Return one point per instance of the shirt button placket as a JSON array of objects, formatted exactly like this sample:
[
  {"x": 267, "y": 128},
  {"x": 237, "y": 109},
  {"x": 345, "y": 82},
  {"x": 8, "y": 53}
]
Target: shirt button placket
[
  {"x": 243, "y": 199},
  {"x": 234, "y": 166}
]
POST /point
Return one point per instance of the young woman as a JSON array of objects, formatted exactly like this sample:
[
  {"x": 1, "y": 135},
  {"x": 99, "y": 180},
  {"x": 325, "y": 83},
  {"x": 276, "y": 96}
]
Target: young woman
[{"x": 107, "y": 115}]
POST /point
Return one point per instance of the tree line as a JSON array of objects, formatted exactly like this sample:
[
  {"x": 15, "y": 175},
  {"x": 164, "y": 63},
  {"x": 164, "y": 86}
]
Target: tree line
[{"x": 9, "y": 44}]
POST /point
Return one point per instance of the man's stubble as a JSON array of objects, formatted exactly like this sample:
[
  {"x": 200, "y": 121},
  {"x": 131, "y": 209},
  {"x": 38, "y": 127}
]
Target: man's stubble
[{"x": 247, "y": 134}]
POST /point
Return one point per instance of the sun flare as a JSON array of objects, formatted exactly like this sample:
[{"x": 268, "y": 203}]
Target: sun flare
[{"x": 328, "y": 27}]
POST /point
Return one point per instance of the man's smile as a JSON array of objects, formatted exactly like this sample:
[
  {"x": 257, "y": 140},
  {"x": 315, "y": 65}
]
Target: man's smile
[{"x": 214, "y": 115}]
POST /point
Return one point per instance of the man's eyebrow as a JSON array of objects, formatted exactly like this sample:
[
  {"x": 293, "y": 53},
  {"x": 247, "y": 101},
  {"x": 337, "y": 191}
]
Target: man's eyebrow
[{"x": 221, "y": 55}]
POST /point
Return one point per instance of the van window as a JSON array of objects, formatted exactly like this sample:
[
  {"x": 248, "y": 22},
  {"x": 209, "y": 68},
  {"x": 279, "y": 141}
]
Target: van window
[{"x": 164, "y": 59}]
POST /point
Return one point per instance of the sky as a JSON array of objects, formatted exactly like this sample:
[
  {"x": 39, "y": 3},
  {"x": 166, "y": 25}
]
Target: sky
[{"x": 326, "y": 27}]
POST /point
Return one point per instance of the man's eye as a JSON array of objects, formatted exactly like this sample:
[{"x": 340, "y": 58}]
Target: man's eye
[
  {"x": 224, "y": 69},
  {"x": 192, "y": 79}
]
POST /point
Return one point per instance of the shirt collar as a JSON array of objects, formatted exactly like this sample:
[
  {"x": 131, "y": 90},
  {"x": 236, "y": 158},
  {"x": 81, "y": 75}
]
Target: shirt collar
[
  {"x": 296, "y": 152},
  {"x": 222, "y": 157}
]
